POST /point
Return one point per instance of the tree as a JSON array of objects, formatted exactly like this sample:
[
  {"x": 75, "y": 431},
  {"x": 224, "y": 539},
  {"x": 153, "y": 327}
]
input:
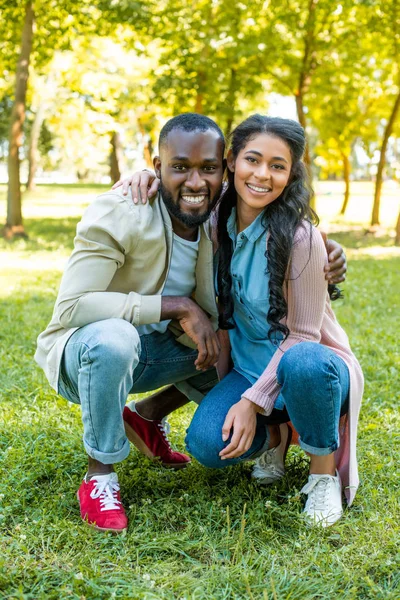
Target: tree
[
  {"x": 397, "y": 238},
  {"x": 206, "y": 58},
  {"x": 303, "y": 35},
  {"x": 387, "y": 15},
  {"x": 344, "y": 103},
  {"x": 14, "y": 224},
  {"x": 43, "y": 90},
  {"x": 56, "y": 24}
]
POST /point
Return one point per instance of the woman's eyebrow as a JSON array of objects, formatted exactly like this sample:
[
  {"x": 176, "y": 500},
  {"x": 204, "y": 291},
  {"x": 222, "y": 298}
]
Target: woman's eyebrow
[{"x": 273, "y": 158}]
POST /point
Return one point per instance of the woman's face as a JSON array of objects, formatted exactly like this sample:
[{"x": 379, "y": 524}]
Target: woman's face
[{"x": 261, "y": 171}]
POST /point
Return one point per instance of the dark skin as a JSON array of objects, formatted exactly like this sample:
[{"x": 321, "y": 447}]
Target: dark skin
[{"x": 191, "y": 167}]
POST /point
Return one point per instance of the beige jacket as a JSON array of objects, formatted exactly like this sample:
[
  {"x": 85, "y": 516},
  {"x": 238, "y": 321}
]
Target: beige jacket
[{"x": 118, "y": 269}]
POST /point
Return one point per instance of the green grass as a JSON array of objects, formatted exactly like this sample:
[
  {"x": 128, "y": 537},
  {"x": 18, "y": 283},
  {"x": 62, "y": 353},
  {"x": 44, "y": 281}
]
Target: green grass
[{"x": 195, "y": 534}]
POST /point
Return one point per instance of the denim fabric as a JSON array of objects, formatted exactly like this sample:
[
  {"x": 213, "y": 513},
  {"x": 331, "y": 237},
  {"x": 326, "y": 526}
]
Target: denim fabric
[
  {"x": 104, "y": 362},
  {"x": 251, "y": 348},
  {"x": 204, "y": 435},
  {"x": 315, "y": 391},
  {"x": 315, "y": 385}
]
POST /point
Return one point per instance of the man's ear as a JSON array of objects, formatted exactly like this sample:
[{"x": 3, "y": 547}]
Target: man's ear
[
  {"x": 230, "y": 161},
  {"x": 157, "y": 166}
]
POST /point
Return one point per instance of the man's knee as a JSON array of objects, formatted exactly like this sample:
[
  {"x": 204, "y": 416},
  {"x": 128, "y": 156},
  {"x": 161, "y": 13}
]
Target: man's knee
[{"x": 114, "y": 342}]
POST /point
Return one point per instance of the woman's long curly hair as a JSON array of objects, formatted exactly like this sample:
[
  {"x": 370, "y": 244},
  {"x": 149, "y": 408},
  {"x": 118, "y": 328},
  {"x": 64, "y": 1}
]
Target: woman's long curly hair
[{"x": 281, "y": 219}]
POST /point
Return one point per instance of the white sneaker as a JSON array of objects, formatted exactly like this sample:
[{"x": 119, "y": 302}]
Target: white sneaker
[
  {"x": 324, "y": 502},
  {"x": 270, "y": 466}
]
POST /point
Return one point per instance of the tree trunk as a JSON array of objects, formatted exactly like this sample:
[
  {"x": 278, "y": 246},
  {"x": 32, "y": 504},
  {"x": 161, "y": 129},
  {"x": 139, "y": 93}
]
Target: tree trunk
[
  {"x": 147, "y": 144},
  {"x": 307, "y": 158},
  {"x": 198, "y": 106},
  {"x": 33, "y": 146},
  {"x": 346, "y": 175},
  {"x": 14, "y": 224},
  {"x": 397, "y": 239},
  {"x": 231, "y": 102},
  {"x": 115, "y": 157},
  {"x": 303, "y": 122},
  {"x": 382, "y": 161}
]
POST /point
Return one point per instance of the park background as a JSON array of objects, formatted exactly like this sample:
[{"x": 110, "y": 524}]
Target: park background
[{"x": 84, "y": 89}]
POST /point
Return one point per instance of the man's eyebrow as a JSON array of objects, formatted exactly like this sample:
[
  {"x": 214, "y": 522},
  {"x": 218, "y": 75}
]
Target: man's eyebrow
[
  {"x": 186, "y": 159},
  {"x": 260, "y": 154}
]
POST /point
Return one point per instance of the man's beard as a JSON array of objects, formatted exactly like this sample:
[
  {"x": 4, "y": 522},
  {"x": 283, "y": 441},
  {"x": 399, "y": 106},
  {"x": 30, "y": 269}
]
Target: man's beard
[{"x": 186, "y": 219}]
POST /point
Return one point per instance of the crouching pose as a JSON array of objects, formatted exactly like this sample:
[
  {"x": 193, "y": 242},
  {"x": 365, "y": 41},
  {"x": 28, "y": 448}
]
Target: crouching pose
[
  {"x": 291, "y": 359},
  {"x": 137, "y": 311}
]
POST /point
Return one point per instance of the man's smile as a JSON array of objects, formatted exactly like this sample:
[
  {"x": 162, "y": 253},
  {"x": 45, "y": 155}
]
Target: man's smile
[{"x": 194, "y": 199}]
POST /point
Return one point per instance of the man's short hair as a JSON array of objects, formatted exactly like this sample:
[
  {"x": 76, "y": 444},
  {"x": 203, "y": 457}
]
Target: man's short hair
[{"x": 189, "y": 122}]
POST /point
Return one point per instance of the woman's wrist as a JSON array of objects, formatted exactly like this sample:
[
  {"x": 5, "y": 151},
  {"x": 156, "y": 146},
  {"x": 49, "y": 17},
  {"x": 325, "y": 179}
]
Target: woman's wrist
[{"x": 250, "y": 405}]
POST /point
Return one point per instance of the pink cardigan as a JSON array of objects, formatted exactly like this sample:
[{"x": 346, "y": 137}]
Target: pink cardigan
[{"x": 310, "y": 318}]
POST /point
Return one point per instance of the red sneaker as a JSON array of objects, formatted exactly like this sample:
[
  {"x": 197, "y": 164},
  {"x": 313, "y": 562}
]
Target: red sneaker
[
  {"x": 150, "y": 438},
  {"x": 100, "y": 503}
]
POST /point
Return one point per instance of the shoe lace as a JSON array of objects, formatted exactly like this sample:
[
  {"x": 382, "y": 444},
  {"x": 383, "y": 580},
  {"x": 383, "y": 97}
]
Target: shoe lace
[
  {"x": 268, "y": 460},
  {"x": 318, "y": 492},
  {"x": 106, "y": 491},
  {"x": 165, "y": 428}
]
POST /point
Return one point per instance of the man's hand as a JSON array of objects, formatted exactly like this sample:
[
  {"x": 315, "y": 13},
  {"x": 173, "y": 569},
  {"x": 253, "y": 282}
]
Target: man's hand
[
  {"x": 196, "y": 325},
  {"x": 242, "y": 418},
  {"x": 335, "y": 270},
  {"x": 144, "y": 185}
]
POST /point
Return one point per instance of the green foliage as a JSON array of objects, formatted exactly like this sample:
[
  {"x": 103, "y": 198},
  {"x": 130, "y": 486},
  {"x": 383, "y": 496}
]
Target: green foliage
[{"x": 196, "y": 534}]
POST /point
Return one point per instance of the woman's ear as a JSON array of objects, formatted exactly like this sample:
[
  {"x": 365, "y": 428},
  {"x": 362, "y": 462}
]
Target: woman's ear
[{"x": 230, "y": 161}]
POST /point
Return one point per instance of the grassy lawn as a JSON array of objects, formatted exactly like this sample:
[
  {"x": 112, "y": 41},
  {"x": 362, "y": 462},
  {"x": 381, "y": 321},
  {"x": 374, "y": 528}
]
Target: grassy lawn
[{"x": 195, "y": 534}]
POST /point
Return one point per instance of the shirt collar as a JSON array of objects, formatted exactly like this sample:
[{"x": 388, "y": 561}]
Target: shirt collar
[{"x": 252, "y": 232}]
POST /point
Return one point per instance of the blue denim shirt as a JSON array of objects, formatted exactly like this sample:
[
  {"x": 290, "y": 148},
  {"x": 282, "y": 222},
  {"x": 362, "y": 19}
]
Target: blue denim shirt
[{"x": 251, "y": 348}]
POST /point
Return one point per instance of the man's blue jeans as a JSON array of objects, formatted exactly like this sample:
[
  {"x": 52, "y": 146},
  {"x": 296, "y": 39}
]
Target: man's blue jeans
[
  {"x": 314, "y": 393},
  {"x": 104, "y": 362}
]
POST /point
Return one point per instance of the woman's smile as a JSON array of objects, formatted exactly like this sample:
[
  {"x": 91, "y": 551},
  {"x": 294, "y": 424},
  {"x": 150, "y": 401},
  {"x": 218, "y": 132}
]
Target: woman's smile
[{"x": 257, "y": 189}]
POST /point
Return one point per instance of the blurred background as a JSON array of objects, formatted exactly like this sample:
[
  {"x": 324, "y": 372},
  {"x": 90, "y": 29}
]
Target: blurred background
[{"x": 85, "y": 87}]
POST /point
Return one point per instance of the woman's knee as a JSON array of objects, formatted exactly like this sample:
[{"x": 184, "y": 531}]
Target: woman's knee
[
  {"x": 303, "y": 363},
  {"x": 205, "y": 444}
]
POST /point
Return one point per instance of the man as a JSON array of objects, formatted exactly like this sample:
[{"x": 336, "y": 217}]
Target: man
[{"x": 125, "y": 320}]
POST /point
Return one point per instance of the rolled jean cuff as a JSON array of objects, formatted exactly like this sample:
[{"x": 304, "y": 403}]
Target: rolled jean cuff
[
  {"x": 318, "y": 451},
  {"x": 108, "y": 458}
]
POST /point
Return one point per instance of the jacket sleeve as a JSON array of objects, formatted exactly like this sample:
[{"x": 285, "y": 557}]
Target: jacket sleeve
[
  {"x": 306, "y": 294},
  {"x": 106, "y": 233}
]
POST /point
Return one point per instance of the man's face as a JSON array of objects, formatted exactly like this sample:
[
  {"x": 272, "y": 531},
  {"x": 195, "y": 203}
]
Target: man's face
[{"x": 190, "y": 167}]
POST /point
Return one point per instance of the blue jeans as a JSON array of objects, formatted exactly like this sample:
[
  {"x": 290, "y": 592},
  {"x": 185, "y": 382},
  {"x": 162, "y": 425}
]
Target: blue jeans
[
  {"x": 314, "y": 393},
  {"x": 104, "y": 362}
]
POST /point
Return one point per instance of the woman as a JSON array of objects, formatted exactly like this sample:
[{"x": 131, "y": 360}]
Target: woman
[{"x": 291, "y": 359}]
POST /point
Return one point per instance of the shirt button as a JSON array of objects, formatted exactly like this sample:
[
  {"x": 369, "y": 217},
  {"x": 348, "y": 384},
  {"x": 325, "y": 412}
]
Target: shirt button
[{"x": 242, "y": 236}]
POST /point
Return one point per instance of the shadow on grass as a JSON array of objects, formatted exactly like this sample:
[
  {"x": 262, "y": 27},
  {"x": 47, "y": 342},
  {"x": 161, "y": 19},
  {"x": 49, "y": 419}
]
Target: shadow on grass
[
  {"x": 58, "y": 233},
  {"x": 358, "y": 238},
  {"x": 44, "y": 235}
]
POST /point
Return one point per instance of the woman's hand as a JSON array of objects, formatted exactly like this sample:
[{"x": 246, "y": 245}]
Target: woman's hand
[
  {"x": 242, "y": 418},
  {"x": 144, "y": 185}
]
